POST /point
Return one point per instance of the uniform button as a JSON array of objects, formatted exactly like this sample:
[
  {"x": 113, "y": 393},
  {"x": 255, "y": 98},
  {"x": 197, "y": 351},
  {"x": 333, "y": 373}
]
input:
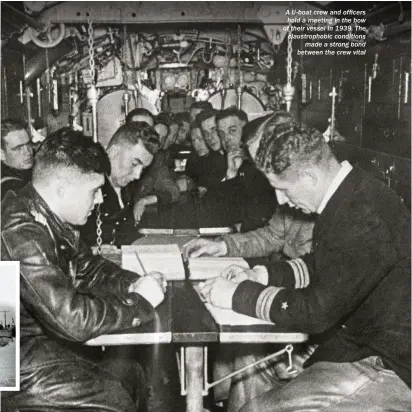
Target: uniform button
[
  {"x": 344, "y": 327},
  {"x": 136, "y": 322},
  {"x": 129, "y": 301},
  {"x": 106, "y": 214},
  {"x": 117, "y": 223}
]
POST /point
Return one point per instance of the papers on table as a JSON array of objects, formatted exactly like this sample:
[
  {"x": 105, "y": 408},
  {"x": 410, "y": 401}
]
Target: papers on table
[
  {"x": 228, "y": 316},
  {"x": 211, "y": 267},
  {"x": 159, "y": 258}
]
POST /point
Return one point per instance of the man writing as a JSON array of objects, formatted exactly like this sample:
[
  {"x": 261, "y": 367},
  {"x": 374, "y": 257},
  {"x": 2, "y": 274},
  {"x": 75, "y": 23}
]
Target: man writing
[
  {"x": 354, "y": 286},
  {"x": 69, "y": 296},
  {"x": 130, "y": 150},
  {"x": 16, "y": 156}
]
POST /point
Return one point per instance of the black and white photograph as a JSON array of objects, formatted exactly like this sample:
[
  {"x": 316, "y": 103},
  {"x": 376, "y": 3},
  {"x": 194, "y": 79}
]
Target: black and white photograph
[
  {"x": 210, "y": 206},
  {"x": 9, "y": 326}
]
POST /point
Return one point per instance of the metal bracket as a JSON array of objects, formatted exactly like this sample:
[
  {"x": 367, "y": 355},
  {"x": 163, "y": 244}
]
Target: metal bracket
[{"x": 206, "y": 386}]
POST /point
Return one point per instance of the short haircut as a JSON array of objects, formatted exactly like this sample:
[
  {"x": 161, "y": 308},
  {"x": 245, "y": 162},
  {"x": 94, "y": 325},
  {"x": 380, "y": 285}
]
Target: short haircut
[
  {"x": 136, "y": 132},
  {"x": 8, "y": 126},
  {"x": 140, "y": 111},
  {"x": 182, "y": 117},
  {"x": 166, "y": 118},
  {"x": 253, "y": 131},
  {"x": 289, "y": 144},
  {"x": 206, "y": 114},
  {"x": 66, "y": 148},
  {"x": 232, "y": 111},
  {"x": 201, "y": 106}
]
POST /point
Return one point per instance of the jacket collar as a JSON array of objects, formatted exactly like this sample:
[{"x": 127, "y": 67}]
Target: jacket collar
[
  {"x": 339, "y": 200},
  {"x": 24, "y": 174},
  {"x": 41, "y": 211}
]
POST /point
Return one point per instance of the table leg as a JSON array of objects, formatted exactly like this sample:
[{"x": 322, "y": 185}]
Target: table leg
[{"x": 194, "y": 378}]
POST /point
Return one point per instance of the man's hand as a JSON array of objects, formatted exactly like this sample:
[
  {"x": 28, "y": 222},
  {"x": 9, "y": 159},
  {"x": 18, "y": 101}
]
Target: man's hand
[
  {"x": 202, "y": 247},
  {"x": 238, "y": 274},
  {"x": 152, "y": 287},
  {"x": 218, "y": 292},
  {"x": 140, "y": 206},
  {"x": 201, "y": 190},
  {"x": 234, "y": 161}
]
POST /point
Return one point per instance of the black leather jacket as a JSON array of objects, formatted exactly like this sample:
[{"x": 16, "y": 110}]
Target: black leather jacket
[{"x": 68, "y": 296}]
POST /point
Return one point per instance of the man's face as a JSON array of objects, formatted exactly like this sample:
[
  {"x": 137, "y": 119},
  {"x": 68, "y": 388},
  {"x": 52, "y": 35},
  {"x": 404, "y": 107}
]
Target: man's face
[
  {"x": 171, "y": 137},
  {"x": 298, "y": 191},
  {"x": 209, "y": 130},
  {"x": 162, "y": 130},
  {"x": 230, "y": 132},
  {"x": 128, "y": 162},
  {"x": 18, "y": 150},
  {"x": 183, "y": 132},
  {"x": 78, "y": 196},
  {"x": 198, "y": 142},
  {"x": 142, "y": 118}
]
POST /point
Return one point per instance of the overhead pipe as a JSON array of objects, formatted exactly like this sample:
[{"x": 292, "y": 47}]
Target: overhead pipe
[
  {"x": 24, "y": 17},
  {"x": 37, "y": 64}
]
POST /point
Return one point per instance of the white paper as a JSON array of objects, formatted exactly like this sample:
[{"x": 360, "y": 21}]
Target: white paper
[
  {"x": 211, "y": 267},
  {"x": 154, "y": 258}
]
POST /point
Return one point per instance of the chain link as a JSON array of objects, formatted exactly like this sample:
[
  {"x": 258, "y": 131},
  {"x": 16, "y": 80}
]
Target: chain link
[
  {"x": 289, "y": 58},
  {"x": 90, "y": 42},
  {"x": 99, "y": 232}
]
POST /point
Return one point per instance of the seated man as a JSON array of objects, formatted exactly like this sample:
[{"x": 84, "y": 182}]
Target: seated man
[
  {"x": 197, "y": 161},
  {"x": 16, "y": 156},
  {"x": 130, "y": 150},
  {"x": 69, "y": 296},
  {"x": 358, "y": 277},
  {"x": 216, "y": 161},
  {"x": 157, "y": 184},
  {"x": 243, "y": 193},
  {"x": 288, "y": 234}
]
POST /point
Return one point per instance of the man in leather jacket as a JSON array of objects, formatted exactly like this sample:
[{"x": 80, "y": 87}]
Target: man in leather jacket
[{"x": 69, "y": 296}]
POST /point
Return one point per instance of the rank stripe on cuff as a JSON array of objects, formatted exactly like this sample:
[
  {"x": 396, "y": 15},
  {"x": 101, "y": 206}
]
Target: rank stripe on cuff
[
  {"x": 301, "y": 273},
  {"x": 264, "y": 302}
]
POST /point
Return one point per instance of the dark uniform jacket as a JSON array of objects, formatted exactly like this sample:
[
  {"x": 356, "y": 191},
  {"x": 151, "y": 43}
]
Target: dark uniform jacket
[
  {"x": 67, "y": 295},
  {"x": 157, "y": 180},
  {"x": 118, "y": 227},
  {"x": 355, "y": 284},
  {"x": 13, "y": 179}
]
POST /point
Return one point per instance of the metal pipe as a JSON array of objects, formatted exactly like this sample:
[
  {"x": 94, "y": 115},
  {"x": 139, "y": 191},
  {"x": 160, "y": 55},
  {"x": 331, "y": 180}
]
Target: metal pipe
[
  {"x": 24, "y": 17},
  {"x": 37, "y": 64},
  {"x": 92, "y": 97}
]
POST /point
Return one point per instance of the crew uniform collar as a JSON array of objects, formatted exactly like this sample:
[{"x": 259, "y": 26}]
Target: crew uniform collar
[
  {"x": 345, "y": 168},
  {"x": 24, "y": 174}
]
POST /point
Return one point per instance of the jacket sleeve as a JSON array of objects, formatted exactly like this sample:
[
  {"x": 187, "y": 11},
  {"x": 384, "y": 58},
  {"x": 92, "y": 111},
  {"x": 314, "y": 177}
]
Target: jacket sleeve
[
  {"x": 102, "y": 277},
  {"x": 51, "y": 295},
  {"x": 346, "y": 267},
  {"x": 260, "y": 242},
  {"x": 158, "y": 181}
]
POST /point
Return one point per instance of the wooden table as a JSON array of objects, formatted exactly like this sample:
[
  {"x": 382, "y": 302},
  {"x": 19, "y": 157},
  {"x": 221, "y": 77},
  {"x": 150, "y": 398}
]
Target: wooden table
[{"x": 184, "y": 320}]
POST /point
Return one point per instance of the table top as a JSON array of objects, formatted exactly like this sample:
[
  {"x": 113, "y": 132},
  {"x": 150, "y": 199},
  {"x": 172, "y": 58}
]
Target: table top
[{"x": 183, "y": 318}]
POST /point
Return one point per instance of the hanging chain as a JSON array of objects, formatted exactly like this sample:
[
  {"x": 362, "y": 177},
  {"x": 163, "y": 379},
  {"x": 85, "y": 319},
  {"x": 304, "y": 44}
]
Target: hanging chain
[
  {"x": 99, "y": 239},
  {"x": 289, "y": 58},
  {"x": 90, "y": 41}
]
